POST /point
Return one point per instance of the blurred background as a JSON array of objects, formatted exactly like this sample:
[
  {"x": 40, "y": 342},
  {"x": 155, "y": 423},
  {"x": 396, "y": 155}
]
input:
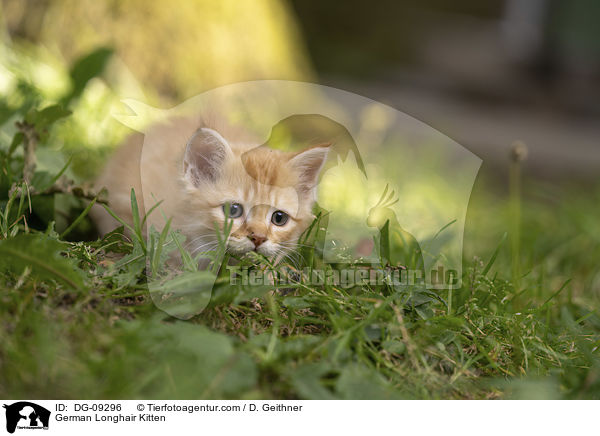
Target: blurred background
[{"x": 484, "y": 73}]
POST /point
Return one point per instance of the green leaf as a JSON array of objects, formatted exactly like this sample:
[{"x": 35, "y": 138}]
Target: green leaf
[
  {"x": 86, "y": 68},
  {"x": 130, "y": 267},
  {"x": 185, "y": 295},
  {"x": 307, "y": 380},
  {"x": 394, "y": 346},
  {"x": 47, "y": 116},
  {"x": 384, "y": 242},
  {"x": 16, "y": 141},
  {"x": 359, "y": 381},
  {"x": 296, "y": 303},
  {"x": 43, "y": 255},
  {"x": 221, "y": 371}
]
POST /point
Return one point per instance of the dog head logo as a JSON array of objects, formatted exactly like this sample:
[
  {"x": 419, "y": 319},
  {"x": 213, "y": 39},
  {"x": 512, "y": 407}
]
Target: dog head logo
[{"x": 26, "y": 415}]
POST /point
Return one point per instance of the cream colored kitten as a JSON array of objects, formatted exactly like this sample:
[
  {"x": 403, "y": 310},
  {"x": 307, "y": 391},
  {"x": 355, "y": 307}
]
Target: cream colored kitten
[{"x": 197, "y": 170}]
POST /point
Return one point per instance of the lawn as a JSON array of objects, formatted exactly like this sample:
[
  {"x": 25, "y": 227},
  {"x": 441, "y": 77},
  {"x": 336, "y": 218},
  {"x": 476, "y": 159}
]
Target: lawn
[{"x": 77, "y": 321}]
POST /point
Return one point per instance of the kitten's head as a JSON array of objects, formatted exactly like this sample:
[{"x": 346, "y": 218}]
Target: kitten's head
[{"x": 269, "y": 194}]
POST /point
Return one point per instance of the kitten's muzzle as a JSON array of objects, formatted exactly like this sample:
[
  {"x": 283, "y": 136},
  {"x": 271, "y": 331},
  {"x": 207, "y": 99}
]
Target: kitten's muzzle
[{"x": 257, "y": 240}]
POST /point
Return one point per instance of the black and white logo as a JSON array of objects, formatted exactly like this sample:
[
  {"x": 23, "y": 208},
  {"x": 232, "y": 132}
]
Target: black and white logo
[{"x": 26, "y": 415}]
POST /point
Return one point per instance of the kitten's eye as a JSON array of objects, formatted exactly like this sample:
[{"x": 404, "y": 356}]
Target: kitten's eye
[
  {"x": 235, "y": 210},
  {"x": 279, "y": 218}
]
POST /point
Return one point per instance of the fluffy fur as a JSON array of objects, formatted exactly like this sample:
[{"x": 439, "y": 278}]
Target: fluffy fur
[{"x": 195, "y": 169}]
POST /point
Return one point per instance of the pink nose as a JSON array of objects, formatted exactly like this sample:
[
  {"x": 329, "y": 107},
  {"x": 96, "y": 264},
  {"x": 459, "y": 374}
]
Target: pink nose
[{"x": 256, "y": 239}]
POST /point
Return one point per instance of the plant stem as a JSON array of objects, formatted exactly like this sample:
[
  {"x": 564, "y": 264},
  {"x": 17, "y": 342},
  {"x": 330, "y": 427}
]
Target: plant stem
[
  {"x": 518, "y": 154},
  {"x": 30, "y": 140}
]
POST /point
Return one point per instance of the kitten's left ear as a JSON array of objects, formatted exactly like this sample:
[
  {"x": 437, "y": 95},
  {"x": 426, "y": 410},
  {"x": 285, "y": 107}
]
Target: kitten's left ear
[
  {"x": 204, "y": 156},
  {"x": 309, "y": 164}
]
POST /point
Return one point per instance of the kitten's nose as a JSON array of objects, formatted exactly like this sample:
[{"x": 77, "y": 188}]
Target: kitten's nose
[{"x": 256, "y": 239}]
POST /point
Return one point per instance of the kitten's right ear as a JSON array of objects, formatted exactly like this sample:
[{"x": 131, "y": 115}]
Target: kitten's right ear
[{"x": 204, "y": 156}]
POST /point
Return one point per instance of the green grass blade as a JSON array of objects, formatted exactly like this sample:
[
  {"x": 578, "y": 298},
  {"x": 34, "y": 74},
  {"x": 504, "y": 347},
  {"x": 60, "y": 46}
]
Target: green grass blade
[
  {"x": 554, "y": 295},
  {"x": 495, "y": 255},
  {"x": 77, "y": 220},
  {"x": 161, "y": 240},
  {"x": 152, "y": 209},
  {"x": 137, "y": 225},
  {"x": 115, "y": 216}
]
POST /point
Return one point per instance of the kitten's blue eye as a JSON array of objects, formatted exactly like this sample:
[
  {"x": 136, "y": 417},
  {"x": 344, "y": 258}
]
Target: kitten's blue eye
[
  {"x": 279, "y": 218},
  {"x": 235, "y": 210}
]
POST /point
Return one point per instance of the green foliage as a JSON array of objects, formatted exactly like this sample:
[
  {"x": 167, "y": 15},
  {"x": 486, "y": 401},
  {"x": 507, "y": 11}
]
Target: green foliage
[
  {"x": 42, "y": 119},
  {"x": 85, "y": 69},
  {"x": 39, "y": 255}
]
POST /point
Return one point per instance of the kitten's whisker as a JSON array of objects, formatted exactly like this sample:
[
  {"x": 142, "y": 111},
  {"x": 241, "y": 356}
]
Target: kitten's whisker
[
  {"x": 294, "y": 244},
  {"x": 205, "y": 243},
  {"x": 199, "y": 238},
  {"x": 291, "y": 257},
  {"x": 205, "y": 247}
]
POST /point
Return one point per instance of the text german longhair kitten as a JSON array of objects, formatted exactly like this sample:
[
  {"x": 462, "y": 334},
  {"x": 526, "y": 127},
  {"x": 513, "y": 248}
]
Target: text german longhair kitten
[{"x": 198, "y": 170}]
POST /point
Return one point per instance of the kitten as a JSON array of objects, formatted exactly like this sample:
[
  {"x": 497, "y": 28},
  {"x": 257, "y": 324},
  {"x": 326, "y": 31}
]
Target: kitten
[{"x": 201, "y": 172}]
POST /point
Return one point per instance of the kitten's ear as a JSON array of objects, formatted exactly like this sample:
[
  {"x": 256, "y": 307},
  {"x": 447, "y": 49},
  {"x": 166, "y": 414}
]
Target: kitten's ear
[
  {"x": 204, "y": 156},
  {"x": 309, "y": 163}
]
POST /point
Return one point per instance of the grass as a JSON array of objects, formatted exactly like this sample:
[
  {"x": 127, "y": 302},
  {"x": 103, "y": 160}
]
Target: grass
[
  {"x": 77, "y": 321},
  {"x": 96, "y": 333}
]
